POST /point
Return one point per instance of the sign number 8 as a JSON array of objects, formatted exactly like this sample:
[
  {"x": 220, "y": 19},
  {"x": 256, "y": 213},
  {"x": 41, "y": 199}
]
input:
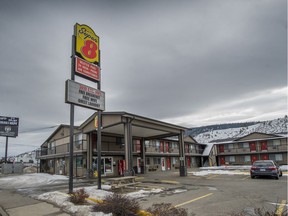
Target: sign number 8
[{"x": 89, "y": 49}]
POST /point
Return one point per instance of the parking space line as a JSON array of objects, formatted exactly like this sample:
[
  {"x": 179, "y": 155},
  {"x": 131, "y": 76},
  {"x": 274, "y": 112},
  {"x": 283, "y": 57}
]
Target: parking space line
[
  {"x": 213, "y": 176},
  {"x": 193, "y": 200},
  {"x": 280, "y": 208},
  {"x": 169, "y": 182},
  {"x": 245, "y": 178}
]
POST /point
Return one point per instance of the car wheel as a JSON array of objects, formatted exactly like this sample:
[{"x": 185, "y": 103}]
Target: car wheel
[
  {"x": 252, "y": 177},
  {"x": 277, "y": 177}
]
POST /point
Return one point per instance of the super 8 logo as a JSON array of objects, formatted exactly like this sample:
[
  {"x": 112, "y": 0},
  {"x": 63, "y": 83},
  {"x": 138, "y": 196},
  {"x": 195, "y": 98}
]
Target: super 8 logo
[{"x": 87, "y": 43}]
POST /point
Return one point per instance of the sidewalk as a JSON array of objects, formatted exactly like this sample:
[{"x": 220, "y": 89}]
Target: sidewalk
[{"x": 14, "y": 204}]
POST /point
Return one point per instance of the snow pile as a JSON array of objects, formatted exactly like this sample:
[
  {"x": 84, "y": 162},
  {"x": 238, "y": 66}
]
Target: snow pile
[
  {"x": 61, "y": 199},
  {"x": 31, "y": 180},
  {"x": 229, "y": 170}
]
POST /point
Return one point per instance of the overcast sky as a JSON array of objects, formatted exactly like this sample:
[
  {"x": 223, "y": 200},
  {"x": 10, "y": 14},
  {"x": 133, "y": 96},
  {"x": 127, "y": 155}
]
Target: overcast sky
[{"x": 187, "y": 62}]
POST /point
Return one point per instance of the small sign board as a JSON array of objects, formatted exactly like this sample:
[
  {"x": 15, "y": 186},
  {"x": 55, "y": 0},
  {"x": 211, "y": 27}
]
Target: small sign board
[
  {"x": 87, "y": 70},
  {"x": 85, "y": 96},
  {"x": 9, "y": 126}
]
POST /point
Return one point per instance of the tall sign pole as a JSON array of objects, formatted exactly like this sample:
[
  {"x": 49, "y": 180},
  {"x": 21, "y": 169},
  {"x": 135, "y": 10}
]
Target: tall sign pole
[
  {"x": 71, "y": 139},
  {"x": 99, "y": 113},
  {"x": 85, "y": 63}
]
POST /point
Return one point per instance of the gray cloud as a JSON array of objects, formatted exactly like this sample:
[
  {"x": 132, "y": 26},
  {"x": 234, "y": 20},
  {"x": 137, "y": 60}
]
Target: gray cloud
[{"x": 161, "y": 59}]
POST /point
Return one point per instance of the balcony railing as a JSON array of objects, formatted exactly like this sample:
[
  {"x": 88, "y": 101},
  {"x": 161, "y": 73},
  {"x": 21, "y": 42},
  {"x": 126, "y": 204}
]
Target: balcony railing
[
  {"x": 61, "y": 149},
  {"x": 258, "y": 149}
]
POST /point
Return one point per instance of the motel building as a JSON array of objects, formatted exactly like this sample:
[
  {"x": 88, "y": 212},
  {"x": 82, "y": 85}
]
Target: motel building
[
  {"x": 128, "y": 142},
  {"x": 247, "y": 149},
  {"x": 143, "y": 144}
]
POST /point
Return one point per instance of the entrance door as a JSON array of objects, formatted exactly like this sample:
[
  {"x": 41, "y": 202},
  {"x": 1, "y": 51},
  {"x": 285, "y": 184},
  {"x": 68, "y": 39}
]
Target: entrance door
[{"x": 106, "y": 165}]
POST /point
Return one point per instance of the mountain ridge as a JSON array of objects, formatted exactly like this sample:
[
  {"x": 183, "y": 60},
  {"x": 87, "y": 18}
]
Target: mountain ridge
[{"x": 211, "y": 133}]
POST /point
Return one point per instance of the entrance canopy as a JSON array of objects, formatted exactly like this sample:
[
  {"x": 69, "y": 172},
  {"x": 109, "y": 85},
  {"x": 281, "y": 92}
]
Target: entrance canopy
[
  {"x": 112, "y": 122},
  {"x": 129, "y": 125}
]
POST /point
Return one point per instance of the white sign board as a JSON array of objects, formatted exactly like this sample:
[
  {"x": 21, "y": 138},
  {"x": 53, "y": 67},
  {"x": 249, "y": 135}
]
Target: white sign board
[{"x": 85, "y": 96}]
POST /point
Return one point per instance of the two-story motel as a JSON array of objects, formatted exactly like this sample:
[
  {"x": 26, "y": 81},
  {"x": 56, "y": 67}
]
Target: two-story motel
[
  {"x": 254, "y": 146},
  {"x": 152, "y": 144},
  {"x": 146, "y": 145}
]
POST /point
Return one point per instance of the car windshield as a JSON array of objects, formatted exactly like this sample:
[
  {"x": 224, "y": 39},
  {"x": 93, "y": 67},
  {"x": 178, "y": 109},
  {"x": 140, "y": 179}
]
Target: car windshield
[{"x": 263, "y": 164}]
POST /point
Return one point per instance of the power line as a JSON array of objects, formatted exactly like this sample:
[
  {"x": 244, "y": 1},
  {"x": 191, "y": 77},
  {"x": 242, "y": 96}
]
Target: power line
[{"x": 37, "y": 129}]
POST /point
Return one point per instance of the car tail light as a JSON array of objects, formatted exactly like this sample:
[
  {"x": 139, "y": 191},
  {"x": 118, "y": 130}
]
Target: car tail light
[
  {"x": 272, "y": 168},
  {"x": 254, "y": 168}
]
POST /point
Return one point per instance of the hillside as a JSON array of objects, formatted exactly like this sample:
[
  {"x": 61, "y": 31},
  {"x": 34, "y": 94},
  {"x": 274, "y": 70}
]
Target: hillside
[{"x": 213, "y": 133}]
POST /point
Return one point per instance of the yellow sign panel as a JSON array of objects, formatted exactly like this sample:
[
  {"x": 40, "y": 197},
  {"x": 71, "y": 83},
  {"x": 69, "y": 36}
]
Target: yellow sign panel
[
  {"x": 96, "y": 122},
  {"x": 87, "y": 43}
]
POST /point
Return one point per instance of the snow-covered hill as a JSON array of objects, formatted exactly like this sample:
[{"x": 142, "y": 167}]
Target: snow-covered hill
[{"x": 276, "y": 126}]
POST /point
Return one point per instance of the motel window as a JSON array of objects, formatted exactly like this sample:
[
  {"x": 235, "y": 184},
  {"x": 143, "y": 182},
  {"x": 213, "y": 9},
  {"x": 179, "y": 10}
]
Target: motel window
[
  {"x": 148, "y": 161},
  {"x": 276, "y": 157},
  {"x": 157, "y": 160},
  {"x": 78, "y": 139},
  {"x": 79, "y": 161},
  {"x": 243, "y": 145},
  {"x": 273, "y": 143},
  {"x": 245, "y": 158},
  {"x": 276, "y": 142},
  {"x": 147, "y": 143},
  {"x": 230, "y": 146},
  {"x": 230, "y": 158},
  {"x": 157, "y": 148}
]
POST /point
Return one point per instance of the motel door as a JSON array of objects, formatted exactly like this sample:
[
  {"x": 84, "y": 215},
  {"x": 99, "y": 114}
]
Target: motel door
[
  {"x": 264, "y": 146},
  {"x": 254, "y": 158},
  {"x": 188, "y": 162},
  {"x": 221, "y": 148},
  {"x": 264, "y": 157},
  {"x": 167, "y": 147},
  {"x": 161, "y": 147},
  {"x": 163, "y": 164},
  {"x": 222, "y": 160},
  {"x": 252, "y": 146},
  {"x": 168, "y": 162}
]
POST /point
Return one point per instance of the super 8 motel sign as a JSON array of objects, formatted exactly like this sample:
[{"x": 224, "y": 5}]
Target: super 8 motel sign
[{"x": 88, "y": 55}]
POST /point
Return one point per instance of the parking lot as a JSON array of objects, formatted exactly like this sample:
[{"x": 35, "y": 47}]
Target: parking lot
[
  {"x": 216, "y": 194},
  {"x": 210, "y": 194}
]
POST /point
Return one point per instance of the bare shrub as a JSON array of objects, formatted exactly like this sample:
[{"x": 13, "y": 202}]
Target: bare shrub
[
  {"x": 78, "y": 197},
  {"x": 118, "y": 205},
  {"x": 166, "y": 209}
]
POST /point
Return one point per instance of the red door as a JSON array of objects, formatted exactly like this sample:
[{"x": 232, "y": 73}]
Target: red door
[
  {"x": 186, "y": 148},
  {"x": 264, "y": 157},
  {"x": 188, "y": 161},
  {"x": 222, "y": 160},
  {"x": 252, "y": 146},
  {"x": 254, "y": 158},
  {"x": 162, "y": 147},
  {"x": 167, "y": 146},
  {"x": 263, "y": 145},
  {"x": 168, "y": 163},
  {"x": 221, "y": 148}
]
